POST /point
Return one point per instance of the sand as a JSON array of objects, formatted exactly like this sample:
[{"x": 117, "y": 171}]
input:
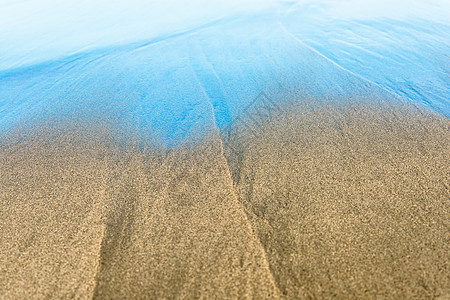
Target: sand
[
  {"x": 86, "y": 216},
  {"x": 319, "y": 201},
  {"x": 350, "y": 200}
]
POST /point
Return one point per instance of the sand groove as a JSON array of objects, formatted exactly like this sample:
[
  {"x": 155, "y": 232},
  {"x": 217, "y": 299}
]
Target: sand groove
[{"x": 249, "y": 225}]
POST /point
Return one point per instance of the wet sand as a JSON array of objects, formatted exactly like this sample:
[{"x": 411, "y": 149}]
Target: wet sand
[
  {"x": 88, "y": 216},
  {"x": 350, "y": 200},
  {"x": 320, "y": 201}
]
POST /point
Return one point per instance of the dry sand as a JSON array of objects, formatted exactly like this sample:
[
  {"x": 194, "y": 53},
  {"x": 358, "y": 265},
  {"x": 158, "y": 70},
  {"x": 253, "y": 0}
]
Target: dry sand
[{"x": 323, "y": 201}]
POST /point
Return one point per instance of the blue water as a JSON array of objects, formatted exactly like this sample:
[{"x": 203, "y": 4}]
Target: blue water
[
  {"x": 405, "y": 53},
  {"x": 170, "y": 68}
]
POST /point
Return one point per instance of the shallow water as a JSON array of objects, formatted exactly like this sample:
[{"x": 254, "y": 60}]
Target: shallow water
[
  {"x": 403, "y": 47},
  {"x": 155, "y": 68}
]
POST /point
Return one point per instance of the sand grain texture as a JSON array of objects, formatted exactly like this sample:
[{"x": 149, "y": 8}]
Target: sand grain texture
[
  {"x": 350, "y": 200},
  {"x": 327, "y": 200},
  {"x": 89, "y": 216}
]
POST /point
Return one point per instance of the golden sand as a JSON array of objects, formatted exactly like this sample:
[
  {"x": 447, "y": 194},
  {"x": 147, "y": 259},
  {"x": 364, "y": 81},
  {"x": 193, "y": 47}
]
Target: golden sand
[
  {"x": 85, "y": 218},
  {"x": 323, "y": 201},
  {"x": 350, "y": 201}
]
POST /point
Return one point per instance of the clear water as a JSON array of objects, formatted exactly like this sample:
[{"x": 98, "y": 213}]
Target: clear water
[{"x": 171, "y": 66}]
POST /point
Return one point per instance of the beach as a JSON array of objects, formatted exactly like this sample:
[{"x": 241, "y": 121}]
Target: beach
[
  {"x": 350, "y": 200},
  {"x": 345, "y": 199}
]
